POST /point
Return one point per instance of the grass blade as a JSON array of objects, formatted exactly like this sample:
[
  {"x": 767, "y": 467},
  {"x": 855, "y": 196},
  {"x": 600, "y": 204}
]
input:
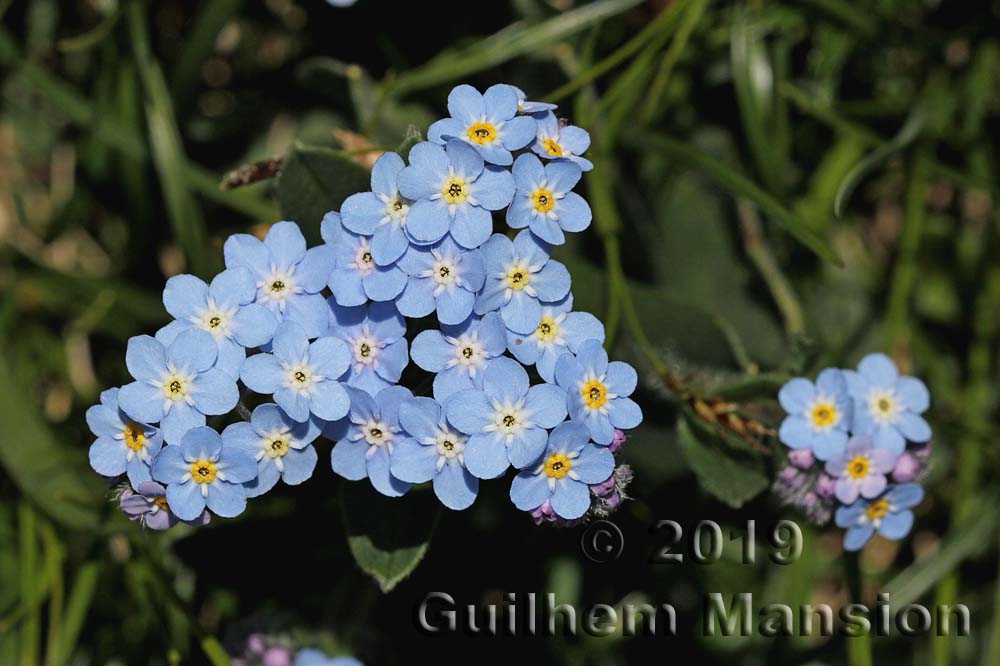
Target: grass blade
[{"x": 743, "y": 187}]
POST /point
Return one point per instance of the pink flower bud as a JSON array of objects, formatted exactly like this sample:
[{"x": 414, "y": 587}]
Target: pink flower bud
[
  {"x": 801, "y": 458},
  {"x": 907, "y": 468},
  {"x": 825, "y": 486},
  {"x": 619, "y": 441},
  {"x": 278, "y": 656}
]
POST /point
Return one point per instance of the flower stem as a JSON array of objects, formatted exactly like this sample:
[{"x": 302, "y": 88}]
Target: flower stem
[{"x": 859, "y": 648}]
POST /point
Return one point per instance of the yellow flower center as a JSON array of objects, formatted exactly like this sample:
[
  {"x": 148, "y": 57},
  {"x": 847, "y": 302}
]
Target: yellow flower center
[
  {"x": 278, "y": 286},
  {"x": 518, "y": 278},
  {"x": 174, "y": 387},
  {"x": 467, "y": 352},
  {"x": 547, "y": 329},
  {"x": 366, "y": 257},
  {"x": 557, "y": 466},
  {"x": 824, "y": 414},
  {"x": 455, "y": 191},
  {"x": 161, "y": 502},
  {"x": 877, "y": 509},
  {"x": 552, "y": 148},
  {"x": 214, "y": 321},
  {"x": 135, "y": 437},
  {"x": 858, "y": 467},
  {"x": 594, "y": 393},
  {"x": 482, "y": 133},
  {"x": 884, "y": 405},
  {"x": 203, "y": 471},
  {"x": 509, "y": 420},
  {"x": 542, "y": 200}
]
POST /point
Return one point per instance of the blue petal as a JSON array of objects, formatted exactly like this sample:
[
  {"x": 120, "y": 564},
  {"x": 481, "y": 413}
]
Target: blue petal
[
  {"x": 420, "y": 417},
  {"x": 141, "y": 401},
  {"x": 494, "y": 189},
  {"x": 593, "y": 357},
  {"x": 246, "y": 251},
  {"x": 262, "y": 373},
  {"x": 497, "y": 253},
  {"x": 231, "y": 356},
  {"x": 505, "y": 380},
  {"x": 104, "y": 419},
  {"x": 215, "y": 392},
  {"x": 441, "y": 131},
  {"x": 385, "y": 171},
  {"x": 895, "y": 526},
  {"x": 107, "y": 456},
  {"x": 486, "y": 456},
  {"x": 330, "y": 357},
  {"x": 454, "y": 305},
  {"x": 285, "y": 243},
  {"x": 495, "y": 153},
  {"x": 528, "y": 491},
  {"x": 386, "y": 322},
  {"x": 879, "y": 370},
  {"x": 887, "y": 437},
  {"x": 569, "y": 372},
  {"x": 601, "y": 430},
  {"x": 500, "y": 102},
  {"x": 313, "y": 272},
  {"x": 522, "y": 313},
  {"x": 906, "y": 495},
  {"x": 184, "y": 296},
  {"x": 170, "y": 466},
  {"x": 914, "y": 427},
  {"x": 290, "y": 343},
  {"x": 546, "y": 404},
  {"x": 413, "y": 462},
  {"x": 427, "y": 221},
  {"x": 267, "y": 478},
  {"x": 451, "y": 381},
  {"x": 309, "y": 311},
  {"x": 227, "y": 499},
  {"x": 574, "y": 213},
  {"x": 562, "y": 175},
  {"x": 828, "y": 444},
  {"x": 299, "y": 465},
  {"x": 347, "y": 285},
  {"x": 625, "y": 414},
  {"x": 179, "y": 420},
  {"x": 856, "y": 537},
  {"x": 913, "y": 394},
  {"x": 532, "y": 250},
  {"x": 254, "y": 325},
  {"x": 238, "y": 466},
  {"x": 145, "y": 358},
  {"x": 329, "y": 401},
  {"x": 295, "y": 404},
  {"x": 579, "y": 327},
  {"x": 547, "y": 229},
  {"x": 389, "y": 244},
  {"x": 431, "y": 351},
  {"x": 428, "y": 168},
  {"x": 471, "y": 226},
  {"x": 518, "y": 132},
  {"x": 569, "y": 436},
  {"x": 528, "y": 448},
  {"x": 362, "y": 212},
  {"x": 571, "y": 499},
  {"x": 552, "y": 282},
  {"x": 455, "y": 486},
  {"x": 465, "y": 104},
  {"x": 575, "y": 140},
  {"x": 468, "y": 411},
  {"x": 235, "y": 286},
  {"x": 528, "y": 172},
  {"x": 348, "y": 459},
  {"x": 796, "y": 395},
  {"x": 595, "y": 464},
  {"x": 417, "y": 299},
  {"x": 185, "y": 500},
  {"x": 193, "y": 350},
  {"x": 392, "y": 360},
  {"x": 546, "y": 363},
  {"x": 380, "y": 476}
]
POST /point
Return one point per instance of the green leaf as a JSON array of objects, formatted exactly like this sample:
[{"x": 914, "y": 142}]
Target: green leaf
[
  {"x": 80, "y": 597},
  {"x": 316, "y": 180},
  {"x": 388, "y": 537},
  {"x": 961, "y": 543},
  {"x": 732, "y": 479},
  {"x": 742, "y": 186},
  {"x": 57, "y": 483}
]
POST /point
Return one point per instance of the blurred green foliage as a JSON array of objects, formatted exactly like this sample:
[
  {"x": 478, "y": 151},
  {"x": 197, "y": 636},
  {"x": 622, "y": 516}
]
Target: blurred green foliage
[{"x": 778, "y": 187}]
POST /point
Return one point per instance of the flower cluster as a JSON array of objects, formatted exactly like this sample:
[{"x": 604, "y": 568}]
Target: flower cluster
[
  {"x": 267, "y": 650},
  {"x": 315, "y": 341},
  {"x": 858, "y": 445}
]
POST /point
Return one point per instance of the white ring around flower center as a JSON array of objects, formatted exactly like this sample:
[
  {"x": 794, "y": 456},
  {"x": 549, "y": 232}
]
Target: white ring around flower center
[
  {"x": 396, "y": 209},
  {"x": 509, "y": 419},
  {"x": 277, "y": 286},
  {"x": 214, "y": 319},
  {"x": 301, "y": 377},
  {"x": 468, "y": 352},
  {"x": 883, "y": 406}
]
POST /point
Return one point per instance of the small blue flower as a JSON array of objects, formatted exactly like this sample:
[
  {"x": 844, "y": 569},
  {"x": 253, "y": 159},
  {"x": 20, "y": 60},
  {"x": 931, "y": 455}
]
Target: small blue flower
[
  {"x": 562, "y": 475},
  {"x": 176, "y": 385},
  {"x": 819, "y": 415},
  {"x": 888, "y": 406},
  {"x": 459, "y": 354},
  {"x": 303, "y": 377},
  {"x": 202, "y": 472},
  {"x": 555, "y": 141},
  {"x": 374, "y": 335},
  {"x": 367, "y": 438},
  {"x": 381, "y": 213},
  {"x": 889, "y": 515},
  {"x": 524, "y": 106},
  {"x": 488, "y": 122},
  {"x": 520, "y": 278},
  {"x": 507, "y": 420},
  {"x": 123, "y": 446},
  {"x": 356, "y": 277},
  {"x": 288, "y": 277},
  {"x": 225, "y": 310},
  {"x": 861, "y": 470},
  {"x": 559, "y": 332},
  {"x": 543, "y": 201},
  {"x": 442, "y": 276},
  {"x": 452, "y": 192},
  {"x": 598, "y": 391},
  {"x": 435, "y": 451},
  {"x": 281, "y": 447}
]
